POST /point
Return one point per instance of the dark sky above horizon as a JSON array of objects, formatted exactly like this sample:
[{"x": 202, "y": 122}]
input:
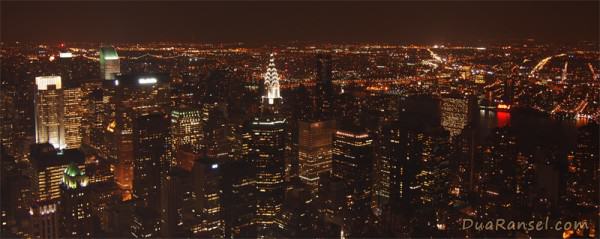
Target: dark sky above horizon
[{"x": 268, "y": 22}]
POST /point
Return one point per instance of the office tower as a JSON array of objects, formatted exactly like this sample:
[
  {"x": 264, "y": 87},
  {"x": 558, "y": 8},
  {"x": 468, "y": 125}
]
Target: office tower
[
  {"x": 324, "y": 87},
  {"x": 93, "y": 120},
  {"x": 207, "y": 185},
  {"x": 496, "y": 186},
  {"x": 239, "y": 198},
  {"x": 45, "y": 220},
  {"x": 431, "y": 182},
  {"x": 465, "y": 151},
  {"x": 456, "y": 114},
  {"x": 109, "y": 63},
  {"x": 65, "y": 64},
  {"x": 353, "y": 165},
  {"x": 390, "y": 181},
  {"x": 217, "y": 131},
  {"x": 15, "y": 196},
  {"x": 299, "y": 211},
  {"x": 150, "y": 135},
  {"x": 49, "y": 111},
  {"x": 131, "y": 96},
  {"x": 314, "y": 150},
  {"x": 150, "y": 138},
  {"x": 186, "y": 129},
  {"x": 178, "y": 201},
  {"x": 73, "y": 114},
  {"x": 582, "y": 177},
  {"x": 145, "y": 223},
  {"x": 7, "y": 109},
  {"x": 48, "y": 166},
  {"x": 76, "y": 203},
  {"x": 267, "y": 153}
]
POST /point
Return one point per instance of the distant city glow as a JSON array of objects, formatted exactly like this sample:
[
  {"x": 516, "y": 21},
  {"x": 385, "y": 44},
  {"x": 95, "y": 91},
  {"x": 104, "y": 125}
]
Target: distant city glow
[
  {"x": 146, "y": 81},
  {"x": 65, "y": 54}
]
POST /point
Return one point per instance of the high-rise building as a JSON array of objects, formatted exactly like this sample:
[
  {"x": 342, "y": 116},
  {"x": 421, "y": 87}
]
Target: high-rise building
[
  {"x": 65, "y": 64},
  {"x": 216, "y": 132},
  {"x": 207, "y": 186},
  {"x": 49, "y": 111},
  {"x": 76, "y": 203},
  {"x": 145, "y": 223},
  {"x": 109, "y": 63},
  {"x": 456, "y": 113},
  {"x": 583, "y": 173},
  {"x": 93, "y": 120},
  {"x": 324, "y": 87},
  {"x": 150, "y": 135},
  {"x": 186, "y": 129},
  {"x": 45, "y": 220},
  {"x": 267, "y": 153},
  {"x": 353, "y": 165},
  {"x": 131, "y": 96},
  {"x": 239, "y": 198},
  {"x": 150, "y": 139},
  {"x": 314, "y": 150},
  {"x": 48, "y": 167},
  {"x": 73, "y": 114}
]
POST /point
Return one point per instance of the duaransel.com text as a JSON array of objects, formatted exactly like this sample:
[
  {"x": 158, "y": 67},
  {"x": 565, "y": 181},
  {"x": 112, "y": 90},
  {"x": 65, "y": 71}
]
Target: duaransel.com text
[{"x": 512, "y": 225}]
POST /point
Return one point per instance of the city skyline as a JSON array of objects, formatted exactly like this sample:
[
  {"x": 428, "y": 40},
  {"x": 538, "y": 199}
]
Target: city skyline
[{"x": 330, "y": 120}]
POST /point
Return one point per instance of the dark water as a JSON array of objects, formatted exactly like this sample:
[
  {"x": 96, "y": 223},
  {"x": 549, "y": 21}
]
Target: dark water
[{"x": 533, "y": 129}]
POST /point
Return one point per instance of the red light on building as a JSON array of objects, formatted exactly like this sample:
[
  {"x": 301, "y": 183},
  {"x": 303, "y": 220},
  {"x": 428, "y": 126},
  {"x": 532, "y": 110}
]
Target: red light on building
[{"x": 503, "y": 119}]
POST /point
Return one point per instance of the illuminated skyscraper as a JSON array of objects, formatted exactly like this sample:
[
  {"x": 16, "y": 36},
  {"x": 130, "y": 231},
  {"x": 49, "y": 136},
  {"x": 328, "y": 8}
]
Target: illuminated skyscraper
[
  {"x": 48, "y": 168},
  {"x": 65, "y": 64},
  {"x": 267, "y": 153},
  {"x": 186, "y": 129},
  {"x": 353, "y": 165},
  {"x": 109, "y": 63},
  {"x": 45, "y": 220},
  {"x": 132, "y": 96},
  {"x": 150, "y": 134},
  {"x": 456, "y": 114},
  {"x": 584, "y": 174},
  {"x": 314, "y": 150},
  {"x": 207, "y": 177},
  {"x": 49, "y": 111},
  {"x": 76, "y": 203},
  {"x": 216, "y": 131},
  {"x": 93, "y": 125},
  {"x": 150, "y": 139},
  {"x": 73, "y": 116}
]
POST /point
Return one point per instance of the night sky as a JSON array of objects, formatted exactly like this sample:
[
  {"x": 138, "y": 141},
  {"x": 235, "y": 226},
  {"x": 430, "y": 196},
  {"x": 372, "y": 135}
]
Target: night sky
[{"x": 270, "y": 22}]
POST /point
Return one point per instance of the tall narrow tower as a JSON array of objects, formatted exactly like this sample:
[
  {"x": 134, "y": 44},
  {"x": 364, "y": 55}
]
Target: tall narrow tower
[
  {"x": 271, "y": 83},
  {"x": 109, "y": 63},
  {"x": 267, "y": 155}
]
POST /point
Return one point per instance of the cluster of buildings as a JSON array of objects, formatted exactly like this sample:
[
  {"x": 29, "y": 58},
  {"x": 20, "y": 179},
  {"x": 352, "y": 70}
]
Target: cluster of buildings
[{"x": 144, "y": 153}]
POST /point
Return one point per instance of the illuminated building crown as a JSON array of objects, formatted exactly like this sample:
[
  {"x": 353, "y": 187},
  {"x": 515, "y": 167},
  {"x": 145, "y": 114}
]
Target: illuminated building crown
[
  {"x": 271, "y": 81},
  {"x": 74, "y": 178}
]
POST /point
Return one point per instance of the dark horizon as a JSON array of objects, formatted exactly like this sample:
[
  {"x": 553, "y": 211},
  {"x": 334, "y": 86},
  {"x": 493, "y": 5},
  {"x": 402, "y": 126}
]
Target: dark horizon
[{"x": 319, "y": 22}]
